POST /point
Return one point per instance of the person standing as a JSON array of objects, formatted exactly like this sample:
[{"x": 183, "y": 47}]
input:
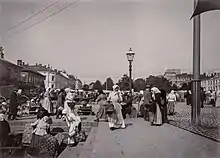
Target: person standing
[
  {"x": 171, "y": 103},
  {"x": 157, "y": 115},
  {"x": 74, "y": 124},
  {"x": 148, "y": 106},
  {"x": 70, "y": 96},
  {"x": 47, "y": 103},
  {"x": 102, "y": 101},
  {"x": 13, "y": 105},
  {"x": 116, "y": 119},
  {"x": 127, "y": 105},
  {"x": 164, "y": 106},
  {"x": 212, "y": 98},
  {"x": 202, "y": 97},
  {"x": 60, "y": 103}
]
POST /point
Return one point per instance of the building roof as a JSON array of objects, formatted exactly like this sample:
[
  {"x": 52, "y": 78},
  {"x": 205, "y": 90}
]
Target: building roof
[
  {"x": 65, "y": 75},
  {"x": 40, "y": 68},
  {"x": 9, "y": 63}
]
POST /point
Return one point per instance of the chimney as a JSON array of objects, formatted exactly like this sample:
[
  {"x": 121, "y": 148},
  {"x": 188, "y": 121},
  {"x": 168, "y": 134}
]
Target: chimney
[{"x": 19, "y": 62}]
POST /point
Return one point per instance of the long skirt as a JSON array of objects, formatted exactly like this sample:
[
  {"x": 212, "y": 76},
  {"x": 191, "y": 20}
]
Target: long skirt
[
  {"x": 47, "y": 105},
  {"x": 170, "y": 107},
  {"x": 66, "y": 106},
  {"x": 44, "y": 144},
  {"x": 116, "y": 119},
  {"x": 158, "y": 116},
  {"x": 217, "y": 104},
  {"x": 164, "y": 114},
  {"x": 101, "y": 114}
]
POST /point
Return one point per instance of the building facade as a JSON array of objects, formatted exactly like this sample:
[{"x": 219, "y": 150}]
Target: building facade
[
  {"x": 54, "y": 79},
  {"x": 171, "y": 73},
  {"x": 10, "y": 73},
  {"x": 211, "y": 82},
  {"x": 180, "y": 79},
  {"x": 32, "y": 78}
]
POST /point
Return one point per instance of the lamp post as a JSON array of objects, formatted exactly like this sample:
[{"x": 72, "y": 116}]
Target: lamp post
[{"x": 130, "y": 57}]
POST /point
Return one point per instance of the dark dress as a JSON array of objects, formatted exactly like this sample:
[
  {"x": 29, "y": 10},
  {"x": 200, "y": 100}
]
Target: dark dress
[
  {"x": 163, "y": 106},
  {"x": 102, "y": 101},
  {"x": 126, "y": 109},
  {"x": 13, "y": 106},
  {"x": 4, "y": 131}
]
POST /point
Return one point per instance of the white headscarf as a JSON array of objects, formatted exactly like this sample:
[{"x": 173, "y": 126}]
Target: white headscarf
[
  {"x": 142, "y": 92},
  {"x": 19, "y": 91},
  {"x": 67, "y": 90},
  {"x": 155, "y": 90},
  {"x": 114, "y": 87}
]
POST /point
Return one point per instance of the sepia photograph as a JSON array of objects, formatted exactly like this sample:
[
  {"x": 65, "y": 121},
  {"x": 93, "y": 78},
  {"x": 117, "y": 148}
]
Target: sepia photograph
[{"x": 109, "y": 79}]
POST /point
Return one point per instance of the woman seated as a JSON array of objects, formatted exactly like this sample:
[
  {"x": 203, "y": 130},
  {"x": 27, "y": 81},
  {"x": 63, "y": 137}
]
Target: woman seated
[{"x": 42, "y": 142}]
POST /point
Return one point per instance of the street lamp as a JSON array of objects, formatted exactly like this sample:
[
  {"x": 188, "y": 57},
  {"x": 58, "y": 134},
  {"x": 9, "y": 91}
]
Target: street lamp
[{"x": 130, "y": 57}]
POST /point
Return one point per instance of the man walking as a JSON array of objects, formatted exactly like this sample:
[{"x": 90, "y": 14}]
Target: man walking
[
  {"x": 13, "y": 106},
  {"x": 147, "y": 103}
]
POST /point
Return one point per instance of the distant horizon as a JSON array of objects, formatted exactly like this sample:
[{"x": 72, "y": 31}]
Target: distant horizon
[{"x": 115, "y": 79}]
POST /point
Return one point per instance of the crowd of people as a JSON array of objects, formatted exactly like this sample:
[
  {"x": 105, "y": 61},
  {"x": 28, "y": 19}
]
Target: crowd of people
[{"x": 154, "y": 106}]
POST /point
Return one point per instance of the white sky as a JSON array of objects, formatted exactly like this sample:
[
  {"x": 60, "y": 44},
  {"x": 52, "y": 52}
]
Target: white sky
[{"x": 90, "y": 39}]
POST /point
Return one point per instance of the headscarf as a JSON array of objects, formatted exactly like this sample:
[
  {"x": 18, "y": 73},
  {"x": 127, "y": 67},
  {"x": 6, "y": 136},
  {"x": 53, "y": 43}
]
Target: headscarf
[
  {"x": 155, "y": 90},
  {"x": 114, "y": 87},
  {"x": 142, "y": 92},
  {"x": 172, "y": 92},
  {"x": 19, "y": 91},
  {"x": 67, "y": 90}
]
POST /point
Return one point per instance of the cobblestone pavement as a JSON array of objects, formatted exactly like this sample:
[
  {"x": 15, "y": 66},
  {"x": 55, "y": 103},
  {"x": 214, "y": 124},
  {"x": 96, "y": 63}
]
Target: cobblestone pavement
[{"x": 210, "y": 120}]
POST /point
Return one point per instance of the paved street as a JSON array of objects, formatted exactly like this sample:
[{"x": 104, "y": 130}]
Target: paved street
[
  {"x": 141, "y": 140},
  {"x": 210, "y": 120}
]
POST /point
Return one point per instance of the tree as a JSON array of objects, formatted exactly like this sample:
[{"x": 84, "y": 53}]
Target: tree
[
  {"x": 109, "y": 85},
  {"x": 97, "y": 85},
  {"x": 123, "y": 83},
  {"x": 85, "y": 87},
  {"x": 139, "y": 84},
  {"x": 159, "y": 82}
]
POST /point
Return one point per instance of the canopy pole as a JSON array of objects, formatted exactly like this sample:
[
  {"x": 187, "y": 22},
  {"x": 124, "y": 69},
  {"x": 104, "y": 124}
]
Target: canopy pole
[{"x": 196, "y": 105}]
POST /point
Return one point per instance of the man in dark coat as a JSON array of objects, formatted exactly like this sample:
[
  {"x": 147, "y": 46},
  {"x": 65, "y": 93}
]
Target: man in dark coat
[
  {"x": 126, "y": 107},
  {"x": 148, "y": 107},
  {"x": 13, "y": 106}
]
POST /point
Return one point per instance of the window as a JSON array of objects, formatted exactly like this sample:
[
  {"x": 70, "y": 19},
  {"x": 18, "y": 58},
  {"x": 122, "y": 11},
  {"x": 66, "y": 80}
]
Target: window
[
  {"x": 52, "y": 78},
  {"x": 52, "y": 86}
]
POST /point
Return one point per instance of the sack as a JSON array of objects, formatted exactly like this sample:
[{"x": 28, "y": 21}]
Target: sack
[{"x": 110, "y": 108}]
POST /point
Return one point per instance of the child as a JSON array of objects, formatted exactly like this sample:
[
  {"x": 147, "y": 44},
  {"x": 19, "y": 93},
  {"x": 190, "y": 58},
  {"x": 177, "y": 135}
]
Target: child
[
  {"x": 42, "y": 126},
  {"x": 74, "y": 123}
]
